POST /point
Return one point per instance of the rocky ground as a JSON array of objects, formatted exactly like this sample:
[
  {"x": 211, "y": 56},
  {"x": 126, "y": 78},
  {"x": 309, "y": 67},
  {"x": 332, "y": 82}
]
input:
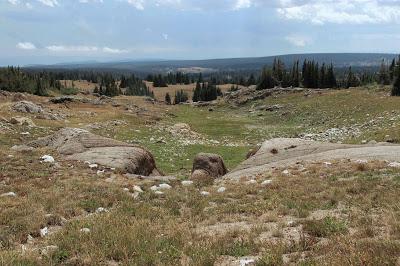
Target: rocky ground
[{"x": 127, "y": 181}]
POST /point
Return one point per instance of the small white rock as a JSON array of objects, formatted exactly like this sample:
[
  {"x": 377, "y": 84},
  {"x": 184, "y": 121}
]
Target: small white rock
[
  {"x": 100, "y": 172},
  {"x": 93, "y": 165},
  {"x": 327, "y": 163},
  {"x": 47, "y": 159},
  {"x": 394, "y": 164},
  {"x": 221, "y": 190},
  {"x": 362, "y": 161},
  {"x": 251, "y": 182},
  {"x": 137, "y": 189},
  {"x": 85, "y": 230},
  {"x": 245, "y": 262},
  {"x": 187, "y": 183},
  {"x": 266, "y": 182},
  {"x": 205, "y": 193},
  {"x": 154, "y": 188},
  {"x": 159, "y": 192},
  {"x": 286, "y": 172},
  {"x": 44, "y": 232},
  {"x": 25, "y": 133},
  {"x": 125, "y": 189},
  {"x": 164, "y": 186},
  {"x": 101, "y": 210},
  {"x": 8, "y": 194}
]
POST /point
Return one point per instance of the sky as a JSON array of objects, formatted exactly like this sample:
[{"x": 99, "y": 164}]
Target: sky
[{"x": 55, "y": 31}]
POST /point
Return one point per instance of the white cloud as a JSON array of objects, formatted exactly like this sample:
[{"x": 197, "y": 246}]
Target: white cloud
[
  {"x": 80, "y": 48},
  {"x": 341, "y": 11},
  {"x": 90, "y": 1},
  {"x": 13, "y": 2},
  {"x": 84, "y": 49},
  {"x": 298, "y": 40},
  {"x": 50, "y": 3},
  {"x": 138, "y": 4},
  {"x": 165, "y": 36},
  {"x": 26, "y": 46},
  {"x": 242, "y": 4},
  {"x": 113, "y": 50}
]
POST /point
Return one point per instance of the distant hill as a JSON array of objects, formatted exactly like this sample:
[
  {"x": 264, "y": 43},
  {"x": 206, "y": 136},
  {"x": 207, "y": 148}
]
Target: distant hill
[{"x": 340, "y": 60}]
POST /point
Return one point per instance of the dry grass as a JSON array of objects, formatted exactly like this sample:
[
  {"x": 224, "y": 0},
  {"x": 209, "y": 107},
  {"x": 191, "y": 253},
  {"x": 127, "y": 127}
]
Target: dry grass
[{"x": 339, "y": 214}]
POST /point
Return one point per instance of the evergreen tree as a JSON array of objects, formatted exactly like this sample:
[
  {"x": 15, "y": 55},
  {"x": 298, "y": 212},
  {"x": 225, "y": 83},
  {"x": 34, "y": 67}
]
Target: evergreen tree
[
  {"x": 396, "y": 83},
  {"x": 180, "y": 97},
  {"x": 384, "y": 77},
  {"x": 251, "y": 80},
  {"x": 266, "y": 80},
  {"x": 352, "y": 80},
  {"x": 167, "y": 99},
  {"x": 40, "y": 89}
]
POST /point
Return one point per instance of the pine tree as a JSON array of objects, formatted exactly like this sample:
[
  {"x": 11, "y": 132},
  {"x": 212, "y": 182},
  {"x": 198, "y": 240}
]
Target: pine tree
[
  {"x": 266, "y": 80},
  {"x": 396, "y": 83},
  {"x": 167, "y": 99},
  {"x": 40, "y": 89},
  {"x": 384, "y": 77},
  {"x": 251, "y": 80},
  {"x": 352, "y": 80}
]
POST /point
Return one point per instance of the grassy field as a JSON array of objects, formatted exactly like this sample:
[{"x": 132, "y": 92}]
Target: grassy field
[{"x": 342, "y": 214}]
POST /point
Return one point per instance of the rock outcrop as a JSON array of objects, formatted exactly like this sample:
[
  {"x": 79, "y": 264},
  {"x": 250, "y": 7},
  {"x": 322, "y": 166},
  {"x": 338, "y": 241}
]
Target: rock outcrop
[
  {"x": 283, "y": 152},
  {"x": 245, "y": 95},
  {"x": 81, "y": 145},
  {"x": 208, "y": 167},
  {"x": 27, "y": 107}
]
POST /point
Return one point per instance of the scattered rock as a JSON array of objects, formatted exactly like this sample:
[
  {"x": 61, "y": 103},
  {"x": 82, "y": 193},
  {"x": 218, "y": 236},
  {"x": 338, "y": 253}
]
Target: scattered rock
[
  {"x": 85, "y": 230},
  {"x": 137, "y": 189},
  {"x": 208, "y": 166},
  {"x": 221, "y": 190},
  {"x": 164, "y": 186},
  {"x": 93, "y": 165},
  {"x": 47, "y": 159},
  {"x": 394, "y": 165},
  {"x": 205, "y": 193},
  {"x": 23, "y": 121},
  {"x": 101, "y": 210},
  {"x": 100, "y": 172},
  {"x": 187, "y": 183},
  {"x": 44, "y": 232},
  {"x": 266, "y": 182},
  {"x": 286, "y": 172},
  {"x": 232, "y": 261}
]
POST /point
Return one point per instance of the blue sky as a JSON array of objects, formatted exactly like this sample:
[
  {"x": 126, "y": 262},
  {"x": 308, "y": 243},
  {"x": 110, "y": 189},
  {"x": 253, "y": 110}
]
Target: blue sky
[{"x": 51, "y": 31}]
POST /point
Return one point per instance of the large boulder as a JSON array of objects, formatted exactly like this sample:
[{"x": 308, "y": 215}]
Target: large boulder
[
  {"x": 207, "y": 166},
  {"x": 27, "y": 107},
  {"x": 81, "y": 145}
]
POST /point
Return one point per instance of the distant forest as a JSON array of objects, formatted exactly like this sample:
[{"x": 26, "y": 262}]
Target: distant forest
[{"x": 306, "y": 74}]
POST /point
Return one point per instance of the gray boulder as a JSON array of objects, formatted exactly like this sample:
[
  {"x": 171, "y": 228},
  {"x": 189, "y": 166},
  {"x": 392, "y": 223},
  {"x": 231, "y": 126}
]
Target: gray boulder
[
  {"x": 208, "y": 167},
  {"x": 27, "y": 107},
  {"x": 81, "y": 145}
]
